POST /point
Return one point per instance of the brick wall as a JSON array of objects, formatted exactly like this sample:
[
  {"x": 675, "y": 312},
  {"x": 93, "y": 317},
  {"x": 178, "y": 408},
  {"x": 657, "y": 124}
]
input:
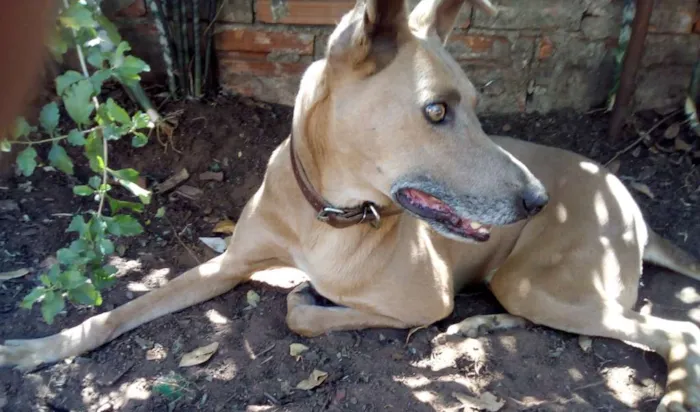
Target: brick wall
[{"x": 535, "y": 55}]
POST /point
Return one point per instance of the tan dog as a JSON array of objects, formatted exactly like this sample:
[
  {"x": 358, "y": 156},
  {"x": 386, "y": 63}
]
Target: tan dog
[{"x": 400, "y": 200}]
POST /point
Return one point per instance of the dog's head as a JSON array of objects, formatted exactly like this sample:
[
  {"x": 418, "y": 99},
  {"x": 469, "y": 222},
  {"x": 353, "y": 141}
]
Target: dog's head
[{"x": 392, "y": 106}]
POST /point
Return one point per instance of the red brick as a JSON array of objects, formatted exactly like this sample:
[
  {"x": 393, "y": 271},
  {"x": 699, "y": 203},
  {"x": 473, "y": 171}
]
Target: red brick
[
  {"x": 312, "y": 12},
  {"x": 135, "y": 9},
  {"x": 480, "y": 47},
  {"x": 545, "y": 48},
  {"x": 257, "y": 64},
  {"x": 260, "y": 41}
]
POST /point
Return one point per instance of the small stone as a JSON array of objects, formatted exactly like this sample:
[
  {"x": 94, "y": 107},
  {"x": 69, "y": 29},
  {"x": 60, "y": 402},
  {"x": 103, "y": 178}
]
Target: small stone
[
  {"x": 507, "y": 127},
  {"x": 129, "y": 294},
  {"x": 8, "y": 206},
  {"x": 189, "y": 192},
  {"x": 212, "y": 176},
  {"x": 382, "y": 338}
]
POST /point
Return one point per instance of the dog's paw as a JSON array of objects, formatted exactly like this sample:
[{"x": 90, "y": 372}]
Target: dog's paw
[
  {"x": 683, "y": 384},
  {"x": 479, "y": 325},
  {"x": 680, "y": 401},
  {"x": 24, "y": 355}
]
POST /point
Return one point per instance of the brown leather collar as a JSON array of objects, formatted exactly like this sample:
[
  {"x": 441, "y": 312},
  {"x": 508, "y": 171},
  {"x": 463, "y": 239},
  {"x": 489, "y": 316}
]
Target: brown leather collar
[{"x": 339, "y": 218}]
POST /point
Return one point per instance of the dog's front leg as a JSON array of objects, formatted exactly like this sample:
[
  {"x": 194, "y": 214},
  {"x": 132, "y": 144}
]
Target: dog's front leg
[
  {"x": 252, "y": 248},
  {"x": 307, "y": 317}
]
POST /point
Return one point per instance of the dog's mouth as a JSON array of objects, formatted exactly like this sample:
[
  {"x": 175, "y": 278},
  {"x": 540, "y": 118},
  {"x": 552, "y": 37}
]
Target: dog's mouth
[{"x": 437, "y": 212}]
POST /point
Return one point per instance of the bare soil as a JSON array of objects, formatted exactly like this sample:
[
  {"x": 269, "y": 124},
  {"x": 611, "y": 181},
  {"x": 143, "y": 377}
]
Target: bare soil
[{"x": 533, "y": 369}]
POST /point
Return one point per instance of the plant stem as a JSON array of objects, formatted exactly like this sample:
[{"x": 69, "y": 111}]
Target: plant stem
[
  {"x": 53, "y": 139},
  {"x": 197, "y": 58},
  {"x": 83, "y": 66}
]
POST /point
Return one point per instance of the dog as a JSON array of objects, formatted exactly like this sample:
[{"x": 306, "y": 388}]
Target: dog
[{"x": 391, "y": 198}]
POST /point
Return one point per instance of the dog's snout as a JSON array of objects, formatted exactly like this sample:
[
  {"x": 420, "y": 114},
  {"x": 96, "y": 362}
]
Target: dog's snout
[{"x": 534, "y": 200}]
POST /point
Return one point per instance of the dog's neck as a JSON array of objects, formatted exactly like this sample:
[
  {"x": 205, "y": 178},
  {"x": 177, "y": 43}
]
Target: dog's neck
[{"x": 327, "y": 169}]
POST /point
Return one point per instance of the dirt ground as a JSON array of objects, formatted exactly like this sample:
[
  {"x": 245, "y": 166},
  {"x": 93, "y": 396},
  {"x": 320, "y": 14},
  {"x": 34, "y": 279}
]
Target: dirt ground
[{"x": 533, "y": 369}]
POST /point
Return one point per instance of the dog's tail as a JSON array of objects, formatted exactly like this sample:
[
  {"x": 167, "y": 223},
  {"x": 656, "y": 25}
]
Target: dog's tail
[{"x": 662, "y": 252}]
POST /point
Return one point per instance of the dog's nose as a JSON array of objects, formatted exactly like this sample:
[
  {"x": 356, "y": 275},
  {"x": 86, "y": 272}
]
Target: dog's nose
[{"x": 534, "y": 200}]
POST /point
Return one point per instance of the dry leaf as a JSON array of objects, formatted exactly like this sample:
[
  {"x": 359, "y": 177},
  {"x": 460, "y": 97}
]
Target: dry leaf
[
  {"x": 215, "y": 243},
  {"x": 13, "y": 274},
  {"x": 642, "y": 188},
  {"x": 486, "y": 402},
  {"x": 296, "y": 349},
  {"x": 681, "y": 145},
  {"x": 316, "y": 378},
  {"x": 226, "y": 227},
  {"x": 253, "y": 298},
  {"x": 199, "y": 355},
  {"x": 672, "y": 131},
  {"x": 172, "y": 181}
]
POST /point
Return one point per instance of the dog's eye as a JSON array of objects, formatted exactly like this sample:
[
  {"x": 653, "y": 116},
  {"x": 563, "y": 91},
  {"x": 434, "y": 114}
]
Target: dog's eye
[{"x": 435, "y": 112}]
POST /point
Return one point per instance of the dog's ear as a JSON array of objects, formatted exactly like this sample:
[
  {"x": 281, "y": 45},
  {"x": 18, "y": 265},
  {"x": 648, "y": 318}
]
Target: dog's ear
[
  {"x": 369, "y": 35},
  {"x": 437, "y": 17}
]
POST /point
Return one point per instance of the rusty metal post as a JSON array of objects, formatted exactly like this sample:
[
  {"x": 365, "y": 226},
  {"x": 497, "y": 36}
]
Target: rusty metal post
[{"x": 630, "y": 65}]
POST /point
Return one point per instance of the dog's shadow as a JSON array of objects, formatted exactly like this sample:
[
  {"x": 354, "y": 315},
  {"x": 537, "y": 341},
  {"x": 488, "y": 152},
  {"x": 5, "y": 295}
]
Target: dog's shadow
[{"x": 533, "y": 368}]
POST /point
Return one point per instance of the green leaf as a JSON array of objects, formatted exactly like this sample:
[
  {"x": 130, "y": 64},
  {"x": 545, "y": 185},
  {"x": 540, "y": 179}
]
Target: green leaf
[
  {"x": 98, "y": 78},
  {"x": 131, "y": 67},
  {"x": 116, "y": 205},
  {"x": 36, "y": 294},
  {"x": 48, "y": 117},
  {"x": 104, "y": 277},
  {"x": 71, "y": 279},
  {"x": 58, "y": 44},
  {"x": 98, "y": 225},
  {"x": 96, "y": 58},
  {"x": 93, "y": 151},
  {"x": 26, "y": 161},
  {"x": 77, "y": 101},
  {"x": 83, "y": 190},
  {"x": 66, "y": 80},
  {"x": 45, "y": 280},
  {"x": 5, "y": 146},
  {"x": 110, "y": 28},
  {"x": 66, "y": 256},
  {"x": 141, "y": 120},
  {"x": 161, "y": 212},
  {"x": 22, "y": 128},
  {"x": 124, "y": 225},
  {"x": 76, "y": 138},
  {"x": 128, "y": 178},
  {"x": 139, "y": 139},
  {"x": 76, "y": 17},
  {"x": 79, "y": 246},
  {"x": 105, "y": 246},
  {"x": 116, "y": 112},
  {"x": 59, "y": 158},
  {"x": 95, "y": 182},
  {"x": 85, "y": 294},
  {"x": 52, "y": 304},
  {"x": 117, "y": 59},
  {"x": 77, "y": 224},
  {"x": 52, "y": 275},
  {"x": 130, "y": 175}
]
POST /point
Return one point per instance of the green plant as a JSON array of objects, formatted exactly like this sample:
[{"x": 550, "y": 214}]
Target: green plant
[{"x": 81, "y": 271}]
